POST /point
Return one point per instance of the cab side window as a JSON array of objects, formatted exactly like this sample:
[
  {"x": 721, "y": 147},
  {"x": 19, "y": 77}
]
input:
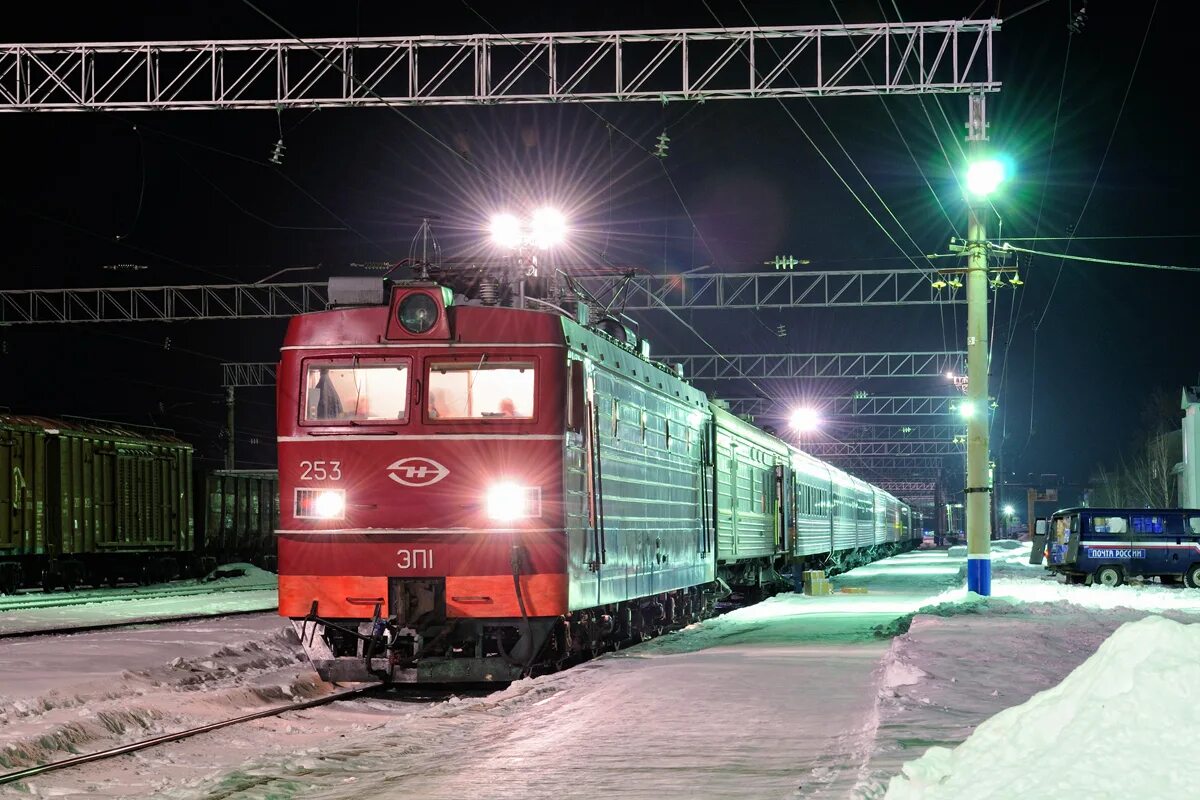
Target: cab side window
[{"x": 1193, "y": 526}]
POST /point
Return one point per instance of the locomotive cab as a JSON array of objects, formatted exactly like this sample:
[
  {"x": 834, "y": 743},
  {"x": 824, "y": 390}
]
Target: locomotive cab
[{"x": 421, "y": 448}]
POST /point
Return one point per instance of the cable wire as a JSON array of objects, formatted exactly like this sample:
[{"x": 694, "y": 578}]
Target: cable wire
[{"x": 1111, "y": 136}]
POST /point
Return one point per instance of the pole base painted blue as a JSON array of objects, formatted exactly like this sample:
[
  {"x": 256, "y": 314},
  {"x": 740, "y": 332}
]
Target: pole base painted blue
[{"x": 979, "y": 575}]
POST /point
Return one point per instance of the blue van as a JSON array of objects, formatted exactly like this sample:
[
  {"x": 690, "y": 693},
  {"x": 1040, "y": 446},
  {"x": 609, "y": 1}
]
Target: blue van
[{"x": 1108, "y": 545}]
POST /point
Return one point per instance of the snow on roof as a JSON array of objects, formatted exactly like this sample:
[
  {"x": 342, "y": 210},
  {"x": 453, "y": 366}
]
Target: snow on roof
[{"x": 1116, "y": 727}]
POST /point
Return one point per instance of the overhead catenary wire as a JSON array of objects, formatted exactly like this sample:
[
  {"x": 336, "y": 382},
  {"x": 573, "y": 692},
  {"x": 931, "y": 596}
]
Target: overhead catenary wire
[
  {"x": 366, "y": 88},
  {"x": 1091, "y": 191},
  {"x": 825, "y": 158},
  {"x": 1107, "y": 261}
]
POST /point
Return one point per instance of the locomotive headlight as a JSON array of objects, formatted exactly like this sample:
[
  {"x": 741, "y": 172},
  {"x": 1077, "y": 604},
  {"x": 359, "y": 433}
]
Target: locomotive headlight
[
  {"x": 320, "y": 504},
  {"x": 330, "y": 504},
  {"x": 508, "y": 501}
]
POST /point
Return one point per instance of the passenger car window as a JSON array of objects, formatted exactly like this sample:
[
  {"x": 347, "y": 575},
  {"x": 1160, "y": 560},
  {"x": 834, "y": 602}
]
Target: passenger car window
[
  {"x": 355, "y": 392},
  {"x": 478, "y": 390}
]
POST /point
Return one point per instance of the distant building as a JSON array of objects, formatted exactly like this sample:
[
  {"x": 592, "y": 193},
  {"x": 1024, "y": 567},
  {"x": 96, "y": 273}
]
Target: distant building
[{"x": 1188, "y": 470}]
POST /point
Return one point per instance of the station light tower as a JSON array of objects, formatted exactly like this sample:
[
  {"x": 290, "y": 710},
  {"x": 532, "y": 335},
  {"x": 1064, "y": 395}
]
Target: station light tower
[{"x": 984, "y": 176}]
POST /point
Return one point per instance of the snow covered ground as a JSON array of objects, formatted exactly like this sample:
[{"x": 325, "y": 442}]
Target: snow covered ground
[
  {"x": 796, "y": 697},
  {"x": 246, "y": 588}
]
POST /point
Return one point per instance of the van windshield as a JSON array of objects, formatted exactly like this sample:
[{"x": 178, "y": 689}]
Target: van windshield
[{"x": 479, "y": 390}]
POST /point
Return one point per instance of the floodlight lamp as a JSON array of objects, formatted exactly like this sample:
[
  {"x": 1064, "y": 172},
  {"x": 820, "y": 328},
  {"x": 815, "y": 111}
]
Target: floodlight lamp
[
  {"x": 505, "y": 230},
  {"x": 805, "y": 419},
  {"x": 549, "y": 227},
  {"x": 984, "y": 177},
  {"x": 1009, "y": 510},
  {"x": 966, "y": 409}
]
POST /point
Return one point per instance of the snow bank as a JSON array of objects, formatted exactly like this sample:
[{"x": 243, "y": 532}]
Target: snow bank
[{"x": 1116, "y": 727}]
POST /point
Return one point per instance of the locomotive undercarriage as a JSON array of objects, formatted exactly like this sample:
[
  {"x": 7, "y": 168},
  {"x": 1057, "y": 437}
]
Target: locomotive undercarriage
[{"x": 418, "y": 643}]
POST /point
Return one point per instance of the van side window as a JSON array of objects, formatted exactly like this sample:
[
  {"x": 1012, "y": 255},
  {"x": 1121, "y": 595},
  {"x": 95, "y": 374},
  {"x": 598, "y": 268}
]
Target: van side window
[
  {"x": 1147, "y": 523},
  {"x": 1193, "y": 526},
  {"x": 1109, "y": 525}
]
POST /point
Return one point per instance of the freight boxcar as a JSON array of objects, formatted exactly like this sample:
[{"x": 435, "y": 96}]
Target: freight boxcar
[
  {"x": 239, "y": 518},
  {"x": 84, "y": 502}
]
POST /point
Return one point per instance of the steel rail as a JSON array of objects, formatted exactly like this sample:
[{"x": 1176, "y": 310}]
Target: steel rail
[
  {"x": 71, "y": 630},
  {"x": 167, "y": 738},
  {"x": 39, "y": 601}
]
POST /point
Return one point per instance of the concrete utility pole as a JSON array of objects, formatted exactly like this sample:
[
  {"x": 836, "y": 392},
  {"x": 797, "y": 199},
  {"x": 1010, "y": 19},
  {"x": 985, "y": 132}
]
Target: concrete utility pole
[
  {"x": 978, "y": 490},
  {"x": 229, "y": 409}
]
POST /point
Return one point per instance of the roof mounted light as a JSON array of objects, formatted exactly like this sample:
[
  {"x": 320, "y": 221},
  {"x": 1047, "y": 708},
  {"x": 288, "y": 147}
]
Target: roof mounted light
[{"x": 417, "y": 313}]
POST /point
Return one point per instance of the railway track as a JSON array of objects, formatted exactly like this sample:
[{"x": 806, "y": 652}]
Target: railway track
[
  {"x": 167, "y": 738},
  {"x": 68, "y": 630},
  {"x": 31, "y": 600}
]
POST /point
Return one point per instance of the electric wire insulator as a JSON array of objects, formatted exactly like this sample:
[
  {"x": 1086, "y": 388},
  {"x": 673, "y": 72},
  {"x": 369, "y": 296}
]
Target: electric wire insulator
[{"x": 489, "y": 291}]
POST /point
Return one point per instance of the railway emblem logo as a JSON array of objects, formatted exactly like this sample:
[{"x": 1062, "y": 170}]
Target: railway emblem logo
[{"x": 417, "y": 471}]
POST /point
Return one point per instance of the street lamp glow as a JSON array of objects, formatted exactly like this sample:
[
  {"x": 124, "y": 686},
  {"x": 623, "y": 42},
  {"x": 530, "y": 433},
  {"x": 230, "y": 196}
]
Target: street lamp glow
[
  {"x": 805, "y": 419},
  {"x": 548, "y": 227},
  {"x": 983, "y": 177},
  {"x": 966, "y": 409},
  {"x": 1009, "y": 510},
  {"x": 505, "y": 230}
]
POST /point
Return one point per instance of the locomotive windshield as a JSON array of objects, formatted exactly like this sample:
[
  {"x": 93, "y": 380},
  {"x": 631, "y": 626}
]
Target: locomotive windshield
[
  {"x": 479, "y": 390},
  {"x": 349, "y": 392}
]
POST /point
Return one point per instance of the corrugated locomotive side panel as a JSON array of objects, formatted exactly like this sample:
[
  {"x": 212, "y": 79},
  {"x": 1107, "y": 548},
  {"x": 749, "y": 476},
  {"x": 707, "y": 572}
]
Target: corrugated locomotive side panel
[
  {"x": 22, "y": 489},
  {"x": 646, "y": 467}
]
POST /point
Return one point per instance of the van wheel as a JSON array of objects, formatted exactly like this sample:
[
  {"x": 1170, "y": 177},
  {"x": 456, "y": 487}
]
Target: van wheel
[
  {"x": 1191, "y": 578},
  {"x": 1109, "y": 576}
]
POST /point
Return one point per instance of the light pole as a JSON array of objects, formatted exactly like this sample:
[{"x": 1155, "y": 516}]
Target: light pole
[
  {"x": 805, "y": 420},
  {"x": 1009, "y": 511},
  {"x": 983, "y": 176},
  {"x": 546, "y": 228}
]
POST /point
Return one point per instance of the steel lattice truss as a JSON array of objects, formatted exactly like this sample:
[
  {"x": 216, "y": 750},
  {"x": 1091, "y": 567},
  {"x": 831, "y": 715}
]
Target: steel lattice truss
[
  {"x": 898, "y": 433},
  {"x": 253, "y": 300},
  {"x": 489, "y": 69},
  {"x": 819, "y": 365},
  {"x": 907, "y": 465},
  {"x": 850, "y": 406},
  {"x": 865, "y": 448},
  {"x": 899, "y": 488},
  {"x": 159, "y": 303},
  {"x": 702, "y": 291},
  {"x": 248, "y": 374}
]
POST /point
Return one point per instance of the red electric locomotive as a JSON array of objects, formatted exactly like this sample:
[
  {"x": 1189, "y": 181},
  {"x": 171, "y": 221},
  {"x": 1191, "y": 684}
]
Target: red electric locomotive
[{"x": 469, "y": 492}]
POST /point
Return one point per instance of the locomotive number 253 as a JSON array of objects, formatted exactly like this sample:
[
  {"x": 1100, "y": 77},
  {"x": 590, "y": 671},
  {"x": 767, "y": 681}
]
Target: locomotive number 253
[{"x": 320, "y": 470}]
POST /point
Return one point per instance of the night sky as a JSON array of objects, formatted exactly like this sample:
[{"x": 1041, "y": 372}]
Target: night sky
[{"x": 192, "y": 198}]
